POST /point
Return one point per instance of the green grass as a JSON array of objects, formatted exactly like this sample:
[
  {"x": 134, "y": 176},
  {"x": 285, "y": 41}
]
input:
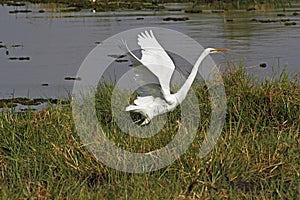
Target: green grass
[{"x": 256, "y": 157}]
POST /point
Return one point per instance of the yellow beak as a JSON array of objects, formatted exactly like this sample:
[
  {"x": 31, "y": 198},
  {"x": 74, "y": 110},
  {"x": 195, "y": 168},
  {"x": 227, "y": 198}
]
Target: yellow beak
[{"x": 219, "y": 50}]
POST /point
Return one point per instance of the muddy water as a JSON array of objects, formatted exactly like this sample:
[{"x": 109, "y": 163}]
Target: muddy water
[{"x": 46, "y": 47}]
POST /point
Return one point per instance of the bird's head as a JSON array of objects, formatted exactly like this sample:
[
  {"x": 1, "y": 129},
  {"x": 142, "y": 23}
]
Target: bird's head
[{"x": 216, "y": 50}]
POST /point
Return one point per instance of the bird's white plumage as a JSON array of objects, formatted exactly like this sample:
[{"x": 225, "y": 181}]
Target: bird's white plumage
[
  {"x": 143, "y": 100},
  {"x": 156, "y": 59},
  {"x": 149, "y": 107}
]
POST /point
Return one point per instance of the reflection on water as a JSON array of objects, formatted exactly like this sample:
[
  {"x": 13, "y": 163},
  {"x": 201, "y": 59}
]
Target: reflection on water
[{"x": 57, "y": 43}]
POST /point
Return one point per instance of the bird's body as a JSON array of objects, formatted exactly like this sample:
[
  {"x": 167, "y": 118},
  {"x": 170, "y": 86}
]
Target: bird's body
[
  {"x": 150, "y": 107},
  {"x": 157, "y": 61}
]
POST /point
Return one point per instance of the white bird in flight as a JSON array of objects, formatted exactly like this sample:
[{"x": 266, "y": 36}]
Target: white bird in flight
[{"x": 155, "y": 59}]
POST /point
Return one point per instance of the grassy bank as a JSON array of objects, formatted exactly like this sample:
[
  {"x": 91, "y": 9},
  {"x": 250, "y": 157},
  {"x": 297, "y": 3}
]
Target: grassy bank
[{"x": 257, "y": 155}]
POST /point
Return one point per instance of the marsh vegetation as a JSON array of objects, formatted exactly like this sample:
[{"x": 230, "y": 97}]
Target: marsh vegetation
[{"x": 257, "y": 155}]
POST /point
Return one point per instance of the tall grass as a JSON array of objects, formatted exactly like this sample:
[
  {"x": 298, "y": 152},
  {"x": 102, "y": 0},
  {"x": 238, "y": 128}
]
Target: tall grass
[{"x": 256, "y": 157}]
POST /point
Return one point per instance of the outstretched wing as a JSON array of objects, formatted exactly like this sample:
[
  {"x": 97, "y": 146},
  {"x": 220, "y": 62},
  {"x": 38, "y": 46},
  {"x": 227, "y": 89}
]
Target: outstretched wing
[{"x": 155, "y": 58}]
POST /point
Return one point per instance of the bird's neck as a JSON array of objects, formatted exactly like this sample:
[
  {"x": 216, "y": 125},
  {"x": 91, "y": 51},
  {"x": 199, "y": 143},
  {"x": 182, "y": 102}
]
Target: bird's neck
[{"x": 182, "y": 92}]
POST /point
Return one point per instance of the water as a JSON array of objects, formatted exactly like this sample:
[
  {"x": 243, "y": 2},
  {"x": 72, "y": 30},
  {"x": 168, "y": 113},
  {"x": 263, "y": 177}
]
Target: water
[{"x": 57, "y": 43}]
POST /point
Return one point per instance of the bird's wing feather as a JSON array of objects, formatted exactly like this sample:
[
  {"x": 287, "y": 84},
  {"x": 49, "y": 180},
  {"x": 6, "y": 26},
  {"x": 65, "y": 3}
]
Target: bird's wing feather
[
  {"x": 155, "y": 58},
  {"x": 149, "y": 83}
]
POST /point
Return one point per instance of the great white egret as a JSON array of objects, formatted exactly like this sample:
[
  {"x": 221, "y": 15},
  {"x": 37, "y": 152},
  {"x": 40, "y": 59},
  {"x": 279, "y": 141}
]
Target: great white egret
[{"x": 155, "y": 59}]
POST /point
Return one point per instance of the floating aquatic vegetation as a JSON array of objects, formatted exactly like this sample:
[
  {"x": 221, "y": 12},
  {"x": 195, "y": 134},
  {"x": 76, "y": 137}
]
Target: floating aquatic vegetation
[
  {"x": 176, "y": 19},
  {"x": 19, "y": 11},
  {"x": 16, "y": 45},
  {"x": 280, "y": 15},
  {"x": 174, "y": 9},
  {"x": 68, "y": 78},
  {"x": 290, "y": 23},
  {"x": 263, "y": 65},
  {"x": 19, "y": 58},
  {"x": 121, "y": 60},
  {"x": 193, "y": 11}
]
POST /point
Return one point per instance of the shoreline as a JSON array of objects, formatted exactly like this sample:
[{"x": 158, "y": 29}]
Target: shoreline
[
  {"x": 191, "y": 6},
  {"x": 11, "y": 103}
]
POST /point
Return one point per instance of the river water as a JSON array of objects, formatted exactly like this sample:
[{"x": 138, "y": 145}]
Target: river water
[{"x": 56, "y": 43}]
